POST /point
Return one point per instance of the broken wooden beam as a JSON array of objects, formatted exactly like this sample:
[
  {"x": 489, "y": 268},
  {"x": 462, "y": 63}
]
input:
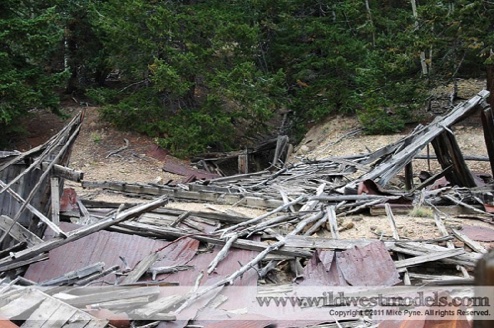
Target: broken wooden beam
[
  {"x": 82, "y": 232},
  {"x": 449, "y": 154},
  {"x": 386, "y": 170}
]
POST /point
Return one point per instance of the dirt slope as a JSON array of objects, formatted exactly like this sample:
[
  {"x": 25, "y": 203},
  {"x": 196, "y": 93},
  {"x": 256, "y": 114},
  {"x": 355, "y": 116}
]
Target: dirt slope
[{"x": 336, "y": 136}]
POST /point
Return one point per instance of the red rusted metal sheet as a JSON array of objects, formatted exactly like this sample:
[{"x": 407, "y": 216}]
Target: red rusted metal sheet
[
  {"x": 68, "y": 201},
  {"x": 185, "y": 170},
  {"x": 322, "y": 270},
  {"x": 478, "y": 233},
  {"x": 370, "y": 265},
  {"x": 489, "y": 208},
  {"x": 102, "y": 246}
]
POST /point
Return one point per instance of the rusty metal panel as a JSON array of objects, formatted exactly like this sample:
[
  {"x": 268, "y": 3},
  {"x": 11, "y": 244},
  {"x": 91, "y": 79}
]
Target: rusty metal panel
[
  {"x": 478, "y": 233},
  {"x": 102, "y": 246},
  {"x": 370, "y": 265},
  {"x": 322, "y": 270}
]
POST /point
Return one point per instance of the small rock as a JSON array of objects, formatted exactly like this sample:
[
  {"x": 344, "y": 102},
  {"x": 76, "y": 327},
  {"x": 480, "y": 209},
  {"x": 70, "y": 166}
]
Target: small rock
[
  {"x": 373, "y": 228},
  {"x": 304, "y": 150},
  {"x": 357, "y": 219},
  {"x": 459, "y": 244},
  {"x": 347, "y": 226}
]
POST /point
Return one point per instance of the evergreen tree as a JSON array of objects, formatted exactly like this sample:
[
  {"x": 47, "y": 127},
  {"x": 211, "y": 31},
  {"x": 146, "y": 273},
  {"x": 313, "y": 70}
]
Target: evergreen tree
[{"x": 29, "y": 36}]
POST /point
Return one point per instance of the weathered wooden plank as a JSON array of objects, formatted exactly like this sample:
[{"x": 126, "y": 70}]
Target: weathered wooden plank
[
  {"x": 33, "y": 210},
  {"x": 383, "y": 172},
  {"x": 64, "y": 145},
  {"x": 203, "y": 196},
  {"x": 23, "y": 304},
  {"x": 140, "y": 269},
  {"x": 18, "y": 232},
  {"x": 81, "y": 232},
  {"x": 41, "y": 316},
  {"x": 442, "y": 229},
  {"x": 55, "y": 200},
  {"x": 476, "y": 246},
  {"x": 396, "y": 236},
  {"x": 488, "y": 126},
  {"x": 81, "y": 319},
  {"x": 417, "y": 249},
  {"x": 105, "y": 295},
  {"x": 161, "y": 305},
  {"x": 240, "y": 243},
  {"x": 449, "y": 154},
  {"x": 324, "y": 243},
  {"x": 428, "y": 258},
  {"x": 332, "y": 221},
  {"x": 64, "y": 172}
]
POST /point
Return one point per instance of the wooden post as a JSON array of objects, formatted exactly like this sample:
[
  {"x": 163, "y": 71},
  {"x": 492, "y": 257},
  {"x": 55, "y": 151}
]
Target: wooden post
[
  {"x": 488, "y": 125},
  {"x": 448, "y": 153},
  {"x": 409, "y": 176},
  {"x": 490, "y": 78},
  {"x": 55, "y": 200},
  {"x": 243, "y": 163}
]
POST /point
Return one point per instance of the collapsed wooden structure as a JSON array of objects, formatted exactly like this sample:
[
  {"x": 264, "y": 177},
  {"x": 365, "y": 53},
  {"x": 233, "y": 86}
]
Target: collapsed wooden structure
[{"x": 212, "y": 253}]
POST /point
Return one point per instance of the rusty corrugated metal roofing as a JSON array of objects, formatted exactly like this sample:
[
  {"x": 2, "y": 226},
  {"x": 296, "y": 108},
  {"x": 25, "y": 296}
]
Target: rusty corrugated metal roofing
[
  {"x": 102, "y": 246},
  {"x": 370, "y": 265},
  {"x": 322, "y": 270},
  {"x": 478, "y": 233}
]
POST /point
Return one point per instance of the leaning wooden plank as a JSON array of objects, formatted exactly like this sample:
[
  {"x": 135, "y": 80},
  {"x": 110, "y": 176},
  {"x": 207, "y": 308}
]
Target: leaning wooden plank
[
  {"x": 33, "y": 210},
  {"x": 72, "y": 276},
  {"x": 428, "y": 258},
  {"x": 470, "y": 207},
  {"x": 84, "y": 231},
  {"x": 47, "y": 148},
  {"x": 83, "y": 320},
  {"x": 64, "y": 172},
  {"x": 26, "y": 301},
  {"x": 442, "y": 229},
  {"x": 326, "y": 243},
  {"x": 162, "y": 304},
  {"x": 262, "y": 217},
  {"x": 18, "y": 232},
  {"x": 475, "y": 245},
  {"x": 331, "y": 211},
  {"x": 416, "y": 249},
  {"x": 41, "y": 317},
  {"x": 14, "y": 264},
  {"x": 383, "y": 172},
  {"x": 140, "y": 269},
  {"x": 55, "y": 199},
  {"x": 488, "y": 126},
  {"x": 449, "y": 154},
  {"x": 105, "y": 295},
  {"x": 396, "y": 236}
]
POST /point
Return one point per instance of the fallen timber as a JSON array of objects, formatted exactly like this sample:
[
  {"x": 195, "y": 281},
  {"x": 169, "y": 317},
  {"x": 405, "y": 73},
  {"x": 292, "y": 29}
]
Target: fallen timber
[{"x": 299, "y": 232}]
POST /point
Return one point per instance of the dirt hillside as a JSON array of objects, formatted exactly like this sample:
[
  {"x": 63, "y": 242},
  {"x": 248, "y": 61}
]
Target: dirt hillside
[{"x": 336, "y": 136}]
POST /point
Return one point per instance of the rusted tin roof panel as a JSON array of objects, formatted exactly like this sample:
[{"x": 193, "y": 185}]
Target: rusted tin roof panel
[
  {"x": 370, "y": 265},
  {"x": 478, "y": 233},
  {"x": 101, "y": 246},
  {"x": 322, "y": 270}
]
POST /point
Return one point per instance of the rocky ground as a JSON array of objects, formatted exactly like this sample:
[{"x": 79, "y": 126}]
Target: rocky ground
[{"x": 337, "y": 136}]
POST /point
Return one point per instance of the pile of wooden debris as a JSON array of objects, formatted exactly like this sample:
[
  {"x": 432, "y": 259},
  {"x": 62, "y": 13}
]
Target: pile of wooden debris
[{"x": 85, "y": 263}]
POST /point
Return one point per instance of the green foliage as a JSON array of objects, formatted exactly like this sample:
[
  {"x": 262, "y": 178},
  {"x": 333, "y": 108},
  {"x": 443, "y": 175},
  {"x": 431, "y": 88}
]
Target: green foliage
[
  {"x": 213, "y": 74},
  {"x": 27, "y": 40}
]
